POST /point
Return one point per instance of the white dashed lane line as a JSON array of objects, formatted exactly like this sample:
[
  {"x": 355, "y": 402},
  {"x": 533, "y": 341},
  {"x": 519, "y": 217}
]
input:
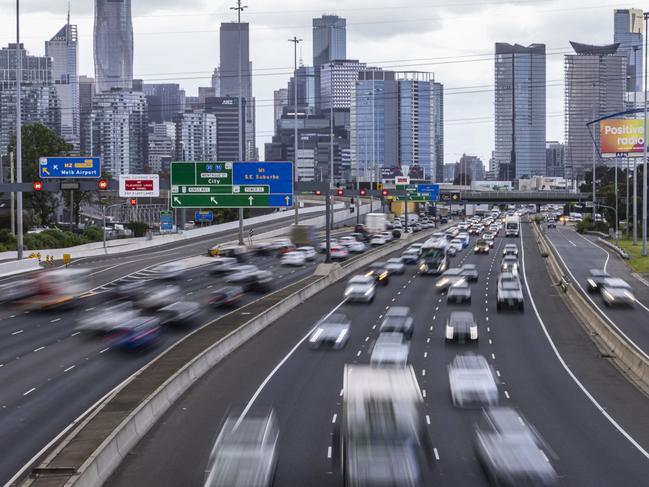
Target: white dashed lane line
[
  {"x": 29, "y": 391},
  {"x": 55, "y": 320},
  {"x": 69, "y": 368},
  {"x": 18, "y": 332},
  {"x": 507, "y": 394},
  {"x": 333, "y": 419},
  {"x": 436, "y": 453},
  {"x": 38, "y": 349}
]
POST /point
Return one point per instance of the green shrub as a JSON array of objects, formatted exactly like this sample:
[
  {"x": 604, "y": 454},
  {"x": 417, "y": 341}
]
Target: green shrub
[
  {"x": 139, "y": 228},
  {"x": 587, "y": 225},
  {"x": 93, "y": 234}
]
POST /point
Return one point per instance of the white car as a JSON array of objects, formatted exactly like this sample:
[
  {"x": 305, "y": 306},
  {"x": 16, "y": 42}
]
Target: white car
[
  {"x": 346, "y": 241},
  {"x": 388, "y": 236},
  {"x": 323, "y": 245},
  {"x": 417, "y": 247},
  {"x": 361, "y": 288},
  {"x": 169, "y": 271},
  {"x": 356, "y": 247},
  {"x": 293, "y": 258},
  {"x": 391, "y": 349},
  {"x": 472, "y": 382},
  {"x": 490, "y": 238},
  {"x": 339, "y": 252},
  {"x": 309, "y": 252},
  {"x": 457, "y": 244},
  {"x": 377, "y": 239}
]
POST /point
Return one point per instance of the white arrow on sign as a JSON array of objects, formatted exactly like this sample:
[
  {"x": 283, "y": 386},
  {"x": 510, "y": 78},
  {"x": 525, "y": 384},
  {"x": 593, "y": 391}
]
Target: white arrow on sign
[
  {"x": 251, "y": 199},
  {"x": 213, "y": 200},
  {"x": 177, "y": 200}
]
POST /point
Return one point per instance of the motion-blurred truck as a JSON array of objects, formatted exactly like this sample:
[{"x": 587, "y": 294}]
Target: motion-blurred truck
[
  {"x": 302, "y": 235},
  {"x": 375, "y": 223}
]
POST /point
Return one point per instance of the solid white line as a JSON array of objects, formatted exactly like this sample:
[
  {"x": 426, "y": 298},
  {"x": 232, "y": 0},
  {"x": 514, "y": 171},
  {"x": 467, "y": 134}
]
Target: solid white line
[
  {"x": 333, "y": 420},
  {"x": 29, "y": 391},
  {"x": 567, "y": 369},
  {"x": 278, "y": 366},
  {"x": 436, "y": 453},
  {"x": 427, "y": 419},
  {"x": 328, "y": 452},
  {"x": 38, "y": 349},
  {"x": 507, "y": 394},
  {"x": 70, "y": 368},
  {"x": 17, "y": 332}
]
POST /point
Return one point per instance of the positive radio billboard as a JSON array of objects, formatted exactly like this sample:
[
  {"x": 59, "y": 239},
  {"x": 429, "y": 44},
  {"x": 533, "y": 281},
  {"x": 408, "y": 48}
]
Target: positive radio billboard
[
  {"x": 621, "y": 136},
  {"x": 131, "y": 185}
]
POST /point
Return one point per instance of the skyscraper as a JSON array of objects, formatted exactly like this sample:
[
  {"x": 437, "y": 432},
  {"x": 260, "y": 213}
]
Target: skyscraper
[
  {"x": 164, "y": 101},
  {"x": 438, "y": 133},
  {"x": 337, "y": 81},
  {"x": 231, "y": 58},
  {"x": 595, "y": 84},
  {"x": 628, "y": 34},
  {"x": 520, "y": 110},
  {"x": 329, "y": 39},
  {"x": 64, "y": 50},
  {"x": 196, "y": 137},
  {"x": 86, "y": 92},
  {"x": 554, "y": 159},
  {"x": 226, "y": 111},
  {"x": 113, "y": 49}
]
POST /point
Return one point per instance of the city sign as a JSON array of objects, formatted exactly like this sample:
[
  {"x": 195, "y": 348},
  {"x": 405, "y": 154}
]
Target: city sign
[
  {"x": 621, "y": 136},
  {"x": 139, "y": 185},
  {"x": 431, "y": 189},
  {"x": 231, "y": 184},
  {"x": 69, "y": 167}
]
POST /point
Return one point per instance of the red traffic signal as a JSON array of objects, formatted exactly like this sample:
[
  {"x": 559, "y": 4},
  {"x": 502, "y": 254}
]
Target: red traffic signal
[
  {"x": 317, "y": 192},
  {"x": 37, "y": 185},
  {"x": 102, "y": 184},
  {"x": 363, "y": 191},
  {"x": 133, "y": 201},
  {"x": 340, "y": 192},
  {"x": 384, "y": 192}
]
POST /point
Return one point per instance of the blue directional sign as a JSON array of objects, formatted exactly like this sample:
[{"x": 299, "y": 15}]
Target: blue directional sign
[
  {"x": 203, "y": 216},
  {"x": 166, "y": 221},
  {"x": 277, "y": 175},
  {"x": 69, "y": 167},
  {"x": 432, "y": 189}
]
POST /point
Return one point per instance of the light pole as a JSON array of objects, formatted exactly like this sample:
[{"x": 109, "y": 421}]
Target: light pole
[
  {"x": 626, "y": 227},
  {"x": 240, "y": 8},
  {"x": 331, "y": 144},
  {"x": 635, "y": 161},
  {"x": 295, "y": 42},
  {"x": 103, "y": 230},
  {"x": 644, "y": 168},
  {"x": 19, "y": 140}
]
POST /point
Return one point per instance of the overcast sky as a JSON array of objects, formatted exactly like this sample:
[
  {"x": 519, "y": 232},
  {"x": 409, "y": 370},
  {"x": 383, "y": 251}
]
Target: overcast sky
[{"x": 177, "y": 41}]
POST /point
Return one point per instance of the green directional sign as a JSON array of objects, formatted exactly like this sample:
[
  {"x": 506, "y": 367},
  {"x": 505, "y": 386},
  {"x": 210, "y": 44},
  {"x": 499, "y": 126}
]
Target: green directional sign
[
  {"x": 417, "y": 198},
  {"x": 231, "y": 184}
]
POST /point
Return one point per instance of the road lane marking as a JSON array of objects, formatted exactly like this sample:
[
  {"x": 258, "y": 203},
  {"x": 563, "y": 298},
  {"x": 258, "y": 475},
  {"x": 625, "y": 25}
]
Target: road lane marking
[
  {"x": 328, "y": 452},
  {"x": 341, "y": 392},
  {"x": 358, "y": 354},
  {"x": 69, "y": 368},
  {"x": 423, "y": 372},
  {"x": 490, "y": 342},
  {"x": 38, "y": 349},
  {"x": 333, "y": 419},
  {"x": 436, "y": 453},
  {"x": 425, "y": 354},
  {"x": 17, "y": 332},
  {"x": 423, "y": 392},
  {"x": 29, "y": 391},
  {"x": 102, "y": 351},
  {"x": 507, "y": 394},
  {"x": 498, "y": 373},
  {"x": 493, "y": 356},
  {"x": 55, "y": 320},
  {"x": 75, "y": 333},
  {"x": 427, "y": 419},
  {"x": 89, "y": 309}
]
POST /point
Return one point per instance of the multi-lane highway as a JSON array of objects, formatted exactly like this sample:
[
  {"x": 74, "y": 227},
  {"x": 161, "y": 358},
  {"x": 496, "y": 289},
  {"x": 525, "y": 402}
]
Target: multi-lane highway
[
  {"x": 591, "y": 417},
  {"x": 579, "y": 254},
  {"x": 50, "y": 372}
]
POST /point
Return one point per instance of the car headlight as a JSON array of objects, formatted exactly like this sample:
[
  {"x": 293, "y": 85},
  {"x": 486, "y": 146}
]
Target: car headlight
[
  {"x": 315, "y": 335},
  {"x": 474, "y": 332},
  {"x": 608, "y": 296},
  {"x": 368, "y": 292},
  {"x": 441, "y": 282},
  {"x": 591, "y": 283},
  {"x": 383, "y": 276},
  {"x": 629, "y": 295},
  {"x": 341, "y": 336},
  {"x": 475, "y": 248},
  {"x": 449, "y": 332},
  {"x": 348, "y": 291},
  {"x": 423, "y": 267}
]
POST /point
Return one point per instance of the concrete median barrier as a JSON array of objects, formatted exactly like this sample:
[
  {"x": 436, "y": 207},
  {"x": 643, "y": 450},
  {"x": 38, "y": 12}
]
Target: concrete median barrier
[
  {"x": 18, "y": 267},
  {"x": 91, "y": 452},
  {"x": 632, "y": 361}
]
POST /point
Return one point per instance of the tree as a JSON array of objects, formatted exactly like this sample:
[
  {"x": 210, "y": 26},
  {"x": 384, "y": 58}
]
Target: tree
[{"x": 39, "y": 141}]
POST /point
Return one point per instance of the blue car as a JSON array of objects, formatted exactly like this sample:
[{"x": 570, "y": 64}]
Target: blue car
[
  {"x": 137, "y": 333},
  {"x": 465, "y": 239}
]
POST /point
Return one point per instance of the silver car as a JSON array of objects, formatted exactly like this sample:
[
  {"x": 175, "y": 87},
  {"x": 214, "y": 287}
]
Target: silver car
[
  {"x": 332, "y": 331},
  {"x": 510, "y": 292},
  {"x": 460, "y": 292},
  {"x": 390, "y": 349},
  {"x": 245, "y": 453},
  {"x": 179, "y": 312},
  {"x": 395, "y": 266},
  {"x": 108, "y": 319},
  {"x": 361, "y": 288},
  {"x": 448, "y": 278},
  {"x": 616, "y": 292},
  {"x": 472, "y": 381}
]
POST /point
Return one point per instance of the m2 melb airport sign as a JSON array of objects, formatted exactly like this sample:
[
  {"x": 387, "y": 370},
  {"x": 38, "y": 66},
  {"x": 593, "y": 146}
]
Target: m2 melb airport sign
[{"x": 621, "y": 136}]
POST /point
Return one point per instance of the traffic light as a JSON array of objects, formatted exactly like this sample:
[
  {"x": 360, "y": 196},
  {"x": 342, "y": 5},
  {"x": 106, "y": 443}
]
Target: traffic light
[
  {"x": 340, "y": 192},
  {"x": 363, "y": 192},
  {"x": 102, "y": 184},
  {"x": 133, "y": 201},
  {"x": 37, "y": 185},
  {"x": 317, "y": 192},
  {"x": 384, "y": 192}
]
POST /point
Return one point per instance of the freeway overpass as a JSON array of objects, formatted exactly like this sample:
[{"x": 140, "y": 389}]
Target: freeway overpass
[{"x": 530, "y": 197}]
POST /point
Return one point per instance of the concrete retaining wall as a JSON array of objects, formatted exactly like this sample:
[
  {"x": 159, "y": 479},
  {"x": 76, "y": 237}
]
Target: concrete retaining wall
[
  {"x": 627, "y": 357},
  {"x": 18, "y": 267},
  {"x": 622, "y": 253}
]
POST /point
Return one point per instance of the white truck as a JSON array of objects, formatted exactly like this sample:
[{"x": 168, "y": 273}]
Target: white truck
[
  {"x": 383, "y": 435},
  {"x": 375, "y": 223},
  {"x": 512, "y": 225}
]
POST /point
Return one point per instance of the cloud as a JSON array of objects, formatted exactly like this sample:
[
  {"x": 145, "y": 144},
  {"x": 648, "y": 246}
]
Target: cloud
[{"x": 86, "y": 7}]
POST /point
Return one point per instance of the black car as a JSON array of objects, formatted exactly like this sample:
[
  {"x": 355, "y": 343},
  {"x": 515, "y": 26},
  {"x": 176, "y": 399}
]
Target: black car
[
  {"x": 596, "y": 278},
  {"x": 379, "y": 272}
]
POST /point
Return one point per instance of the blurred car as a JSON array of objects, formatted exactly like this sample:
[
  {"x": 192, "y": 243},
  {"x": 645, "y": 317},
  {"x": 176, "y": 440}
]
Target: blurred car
[
  {"x": 460, "y": 292},
  {"x": 509, "y": 264},
  {"x": 511, "y": 451},
  {"x": 107, "y": 319},
  {"x": 495, "y": 229},
  {"x": 262, "y": 248},
  {"x": 179, "y": 312},
  {"x": 448, "y": 278},
  {"x": 552, "y": 223},
  {"x": 451, "y": 233},
  {"x": 294, "y": 258},
  {"x": 410, "y": 256},
  {"x": 388, "y": 236},
  {"x": 595, "y": 279},
  {"x": 379, "y": 272},
  {"x": 238, "y": 252},
  {"x": 241, "y": 274},
  {"x": 260, "y": 281},
  {"x": 56, "y": 288},
  {"x": 510, "y": 249},
  {"x": 361, "y": 288},
  {"x": 170, "y": 271},
  {"x": 332, "y": 331},
  {"x": 128, "y": 290},
  {"x": 347, "y": 240},
  {"x": 395, "y": 266},
  {"x": 339, "y": 252},
  {"x": 356, "y": 247},
  {"x": 461, "y": 327},
  {"x": 322, "y": 247},
  {"x": 390, "y": 349},
  {"x": 470, "y": 271},
  {"x": 308, "y": 251},
  {"x": 464, "y": 238},
  {"x": 490, "y": 238},
  {"x": 472, "y": 382},
  {"x": 475, "y": 229},
  {"x": 377, "y": 239},
  {"x": 417, "y": 247},
  {"x": 510, "y": 292},
  {"x": 137, "y": 333},
  {"x": 616, "y": 292},
  {"x": 398, "y": 319},
  {"x": 416, "y": 227},
  {"x": 244, "y": 453},
  {"x": 481, "y": 247},
  {"x": 17, "y": 290},
  {"x": 457, "y": 245},
  {"x": 223, "y": 265},
  {"x": 451, "y": 251},
  {"x": 158, "y": 296},
  {"x": 226, "y": 296}
]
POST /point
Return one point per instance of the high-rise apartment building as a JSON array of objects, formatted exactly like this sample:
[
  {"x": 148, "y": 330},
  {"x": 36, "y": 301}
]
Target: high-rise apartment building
[
  {"x": 226, "y": 111},
  {"x": 554, "y": 159},
  {"x": 235, "y": 55},
  {"x": 113, "y": 45},
  {"x": 196, "y": 137},
  {"x": 161, "y": 146},
  {"x": 520, "y": 105},
  {"x": 438, "y": 132},
  {"x": 119, "y": 131},
  {"x": 595, "y": 85},
  {"x": 63, "y": 48},
  {"x": 306, "y": 86},
  {"x": 164, "y": 101},
  {"x": 628, "y": 31},
  {"x": 469, "y": 167},
  {"x": 280, "y": 101},
  {"x": 86, "y": 92},
  {"x": 337, "y": 81}
]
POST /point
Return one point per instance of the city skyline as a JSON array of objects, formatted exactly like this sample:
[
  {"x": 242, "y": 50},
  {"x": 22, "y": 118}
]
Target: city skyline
[{"x": 426, "y": 43}]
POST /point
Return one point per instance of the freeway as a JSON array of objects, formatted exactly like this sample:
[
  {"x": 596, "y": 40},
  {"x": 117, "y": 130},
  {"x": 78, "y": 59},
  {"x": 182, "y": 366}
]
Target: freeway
[
  {"x": 50, "y": 372},
  {"x": 546, "y": 365},
  {"x": 579, "y": 254}
]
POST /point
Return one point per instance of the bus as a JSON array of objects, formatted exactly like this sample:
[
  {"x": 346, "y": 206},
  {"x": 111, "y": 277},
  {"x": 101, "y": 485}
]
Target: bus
[{"x": 434, "y": 257}]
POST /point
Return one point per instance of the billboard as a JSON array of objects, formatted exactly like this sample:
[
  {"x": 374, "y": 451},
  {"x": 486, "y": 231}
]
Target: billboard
[
  {"x": 139, "y": 185},
  {"x": 620, "y": 136}
]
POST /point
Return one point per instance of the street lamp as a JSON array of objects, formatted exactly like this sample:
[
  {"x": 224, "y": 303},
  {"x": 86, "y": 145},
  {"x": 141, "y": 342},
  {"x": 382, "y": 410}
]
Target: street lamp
[
  {"x": 103, "y": 230},
  {"x": 644, "y": 124},
  {"x": 295, "y": 42},
  {"x": 19, "y": 141}
]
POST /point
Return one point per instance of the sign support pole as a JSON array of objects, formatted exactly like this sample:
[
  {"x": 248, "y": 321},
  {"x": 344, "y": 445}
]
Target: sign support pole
[{"x": 19, "y": 139}]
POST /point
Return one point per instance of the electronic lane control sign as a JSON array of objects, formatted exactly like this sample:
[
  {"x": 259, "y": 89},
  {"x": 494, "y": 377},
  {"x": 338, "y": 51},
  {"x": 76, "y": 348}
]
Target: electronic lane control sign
[
  {"x": 131, "y": 185},
  {"x": 231, "y": 184},
  {"x": 69, "y": 167}
]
